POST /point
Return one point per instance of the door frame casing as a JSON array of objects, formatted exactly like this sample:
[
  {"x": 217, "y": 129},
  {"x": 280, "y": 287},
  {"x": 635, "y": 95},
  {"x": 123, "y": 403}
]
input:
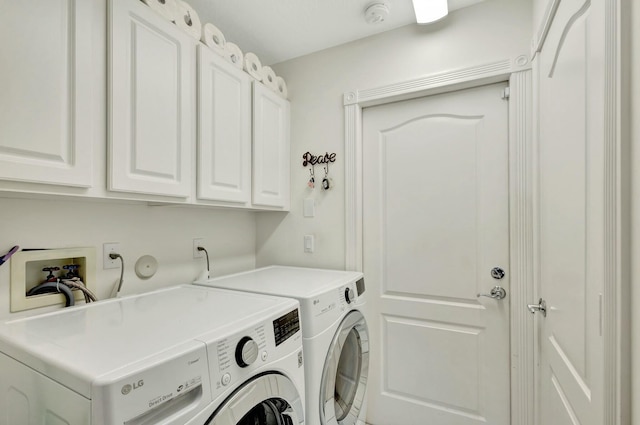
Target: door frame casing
[
  {"x": 521, "y": 212},
  {"x": 518, "y": 73}
]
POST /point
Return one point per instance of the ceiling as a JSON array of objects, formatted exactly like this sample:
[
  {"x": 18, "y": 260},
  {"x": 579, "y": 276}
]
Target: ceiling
[{"x": 278, "y": 30}]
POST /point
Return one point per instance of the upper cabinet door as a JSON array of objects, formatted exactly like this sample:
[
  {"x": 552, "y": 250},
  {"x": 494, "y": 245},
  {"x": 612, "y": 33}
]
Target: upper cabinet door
[
  {"x": 46, "y": 100},
  {"x": 224, "y": 130},
  {"x": 271, "y": 150},
  {"x": 152, "y": 101}
]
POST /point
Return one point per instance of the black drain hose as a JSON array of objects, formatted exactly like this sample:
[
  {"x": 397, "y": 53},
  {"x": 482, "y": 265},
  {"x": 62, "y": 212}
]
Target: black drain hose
[{"x": 54, "y": 287}]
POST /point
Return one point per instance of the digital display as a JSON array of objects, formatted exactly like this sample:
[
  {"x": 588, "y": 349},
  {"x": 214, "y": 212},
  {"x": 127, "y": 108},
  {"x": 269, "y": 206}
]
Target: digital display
[
  {"x": 360, "y": 286},
  {"x": 286, "y": 326}
]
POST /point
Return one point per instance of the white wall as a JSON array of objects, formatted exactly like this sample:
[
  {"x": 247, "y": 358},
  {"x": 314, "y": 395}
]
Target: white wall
[
  {"x": 164, "y": 232},
  {"x": 490, "y": 31}
]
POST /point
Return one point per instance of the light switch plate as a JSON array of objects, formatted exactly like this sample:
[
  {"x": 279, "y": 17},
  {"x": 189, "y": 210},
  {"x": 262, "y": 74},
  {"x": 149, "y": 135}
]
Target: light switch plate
[
  {"x": 309, "y": 207},
  {"x": 309, "y": 243}
]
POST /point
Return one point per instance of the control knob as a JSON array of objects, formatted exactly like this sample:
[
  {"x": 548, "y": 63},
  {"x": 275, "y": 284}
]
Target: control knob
[
  {"x": 348, "y": 295},
  {"x": 246, "y": 352}
]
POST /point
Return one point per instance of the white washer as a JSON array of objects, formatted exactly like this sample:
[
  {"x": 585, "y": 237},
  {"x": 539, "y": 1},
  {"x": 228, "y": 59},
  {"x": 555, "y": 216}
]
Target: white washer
[
  {"x": 183, "y": 355},
  {"x": 335, "y": 335}
]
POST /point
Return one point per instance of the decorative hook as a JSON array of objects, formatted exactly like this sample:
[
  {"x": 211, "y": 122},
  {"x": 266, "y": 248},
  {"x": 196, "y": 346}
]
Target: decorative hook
[
  {"x": 312, "y": 180},
  {"x": 325, "y": 181}
]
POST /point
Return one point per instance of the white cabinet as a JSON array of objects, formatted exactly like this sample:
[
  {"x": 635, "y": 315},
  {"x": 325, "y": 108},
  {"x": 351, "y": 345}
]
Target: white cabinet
[
  {"x": 46, "y": 128},
  {"x": 157, "y": 96},
  {"x": 271, "y": 149},
  {"x": 224, "y": 130},
  {"x": 225, "y": 123},
  {"x": 151, "y": 102}
]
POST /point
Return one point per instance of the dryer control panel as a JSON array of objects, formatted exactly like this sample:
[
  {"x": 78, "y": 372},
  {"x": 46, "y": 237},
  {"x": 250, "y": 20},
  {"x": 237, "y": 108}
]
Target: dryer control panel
[
  {"x": 351, "y": 296},
  {"x": 323, "y": 310},
  {"x": 360, "y": 286}
]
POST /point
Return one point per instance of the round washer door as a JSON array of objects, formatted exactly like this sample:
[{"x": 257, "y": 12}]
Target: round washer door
[
  {"x": 268, "y": 399},
  {"x": 344, "y": 378}
]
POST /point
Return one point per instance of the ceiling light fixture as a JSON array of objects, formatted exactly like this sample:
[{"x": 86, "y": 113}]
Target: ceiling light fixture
[{"x": 428, "y": 11}]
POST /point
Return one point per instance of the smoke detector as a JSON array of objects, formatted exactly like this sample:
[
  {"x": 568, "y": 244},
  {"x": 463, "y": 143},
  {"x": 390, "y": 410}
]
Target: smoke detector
[{"x": 376, "y": 13}]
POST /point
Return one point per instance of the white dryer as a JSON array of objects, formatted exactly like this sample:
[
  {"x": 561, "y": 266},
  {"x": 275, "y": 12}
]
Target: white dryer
[
  {"x": 335, "y": 335},
  {"x": 183, "y": 355}
]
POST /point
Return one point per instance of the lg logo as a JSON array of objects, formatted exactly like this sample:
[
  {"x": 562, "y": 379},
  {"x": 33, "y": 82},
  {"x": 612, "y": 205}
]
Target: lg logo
[{"x": 126, "y": 389}]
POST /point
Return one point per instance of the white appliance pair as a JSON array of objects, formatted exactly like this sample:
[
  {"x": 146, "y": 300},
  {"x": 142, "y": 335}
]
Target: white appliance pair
[
  {"x": 184, "y": 355},
  {"x": 335, "y": 335}
]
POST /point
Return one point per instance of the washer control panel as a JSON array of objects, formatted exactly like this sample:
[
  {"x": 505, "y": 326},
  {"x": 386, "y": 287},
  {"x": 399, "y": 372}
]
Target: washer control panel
[
  {"x": 286, "y": 326},
  {"x": 241, "y": 350},
  {"x": 236, "y": 358},
  {"x": 246, "y": 352}
]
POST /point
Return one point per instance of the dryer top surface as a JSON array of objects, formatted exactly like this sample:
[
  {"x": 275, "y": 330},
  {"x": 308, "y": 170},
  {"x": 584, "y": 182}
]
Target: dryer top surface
[{"x": 296, "y": 282}]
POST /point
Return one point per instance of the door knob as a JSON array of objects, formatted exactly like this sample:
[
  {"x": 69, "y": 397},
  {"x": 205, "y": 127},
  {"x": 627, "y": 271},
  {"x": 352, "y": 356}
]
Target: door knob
[
  {"x": 541, "y": 307},
  {"x": 497, "y": 293},
  {"x": 497, "y": 273}
]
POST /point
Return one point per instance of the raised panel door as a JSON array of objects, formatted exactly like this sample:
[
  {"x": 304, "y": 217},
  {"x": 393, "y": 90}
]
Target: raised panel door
[
  {"x": 152, "y": 101},
  {"x": 45, "y": 80},
  {"x": 436, "y": 221},
  {"x": 570, "y": 211},
  {"x": 224, "y": 130},
  {"x": 271, "y": 149}
]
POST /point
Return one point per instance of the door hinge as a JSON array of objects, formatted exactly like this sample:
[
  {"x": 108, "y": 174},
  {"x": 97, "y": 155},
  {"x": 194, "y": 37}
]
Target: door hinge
[{"x": 506, "y": 93}]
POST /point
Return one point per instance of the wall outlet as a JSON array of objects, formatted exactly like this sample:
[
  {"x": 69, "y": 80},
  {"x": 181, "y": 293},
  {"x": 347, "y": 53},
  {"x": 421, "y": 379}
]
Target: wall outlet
[
  {"x": 108, "y": 248},
  {"x": 196, "y": 243}
]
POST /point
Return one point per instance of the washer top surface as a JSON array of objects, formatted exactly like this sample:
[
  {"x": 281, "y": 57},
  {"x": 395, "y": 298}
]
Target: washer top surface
[
  {"x": 77, "y": 346},
  {"x": 296, "y": 282}
]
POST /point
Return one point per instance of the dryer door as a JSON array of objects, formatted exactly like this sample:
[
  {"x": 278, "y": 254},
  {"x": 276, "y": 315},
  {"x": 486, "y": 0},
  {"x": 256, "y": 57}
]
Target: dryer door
[
  {"x": 268, "y": 399},
  {"x": 344, "y": 379}
]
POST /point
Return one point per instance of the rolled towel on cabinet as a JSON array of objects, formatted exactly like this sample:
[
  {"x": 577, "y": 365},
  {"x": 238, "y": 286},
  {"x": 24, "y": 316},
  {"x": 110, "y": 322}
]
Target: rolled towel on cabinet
[
  {"x": 168, "y": 9},
  {"x": 269, "y": 78},
  {"x": 188, "y": 20},
  {"x": 253, "y": 66},
  {"x": 234, "y": 54},
  {"x": 282, "y": 87},
  {"x": 214, "y": 38}
]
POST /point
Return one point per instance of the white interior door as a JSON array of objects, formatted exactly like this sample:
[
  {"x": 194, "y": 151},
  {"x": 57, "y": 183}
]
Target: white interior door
[
  {"x": 435, "y": 202},
  {"x": 571, "y": 218}
]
